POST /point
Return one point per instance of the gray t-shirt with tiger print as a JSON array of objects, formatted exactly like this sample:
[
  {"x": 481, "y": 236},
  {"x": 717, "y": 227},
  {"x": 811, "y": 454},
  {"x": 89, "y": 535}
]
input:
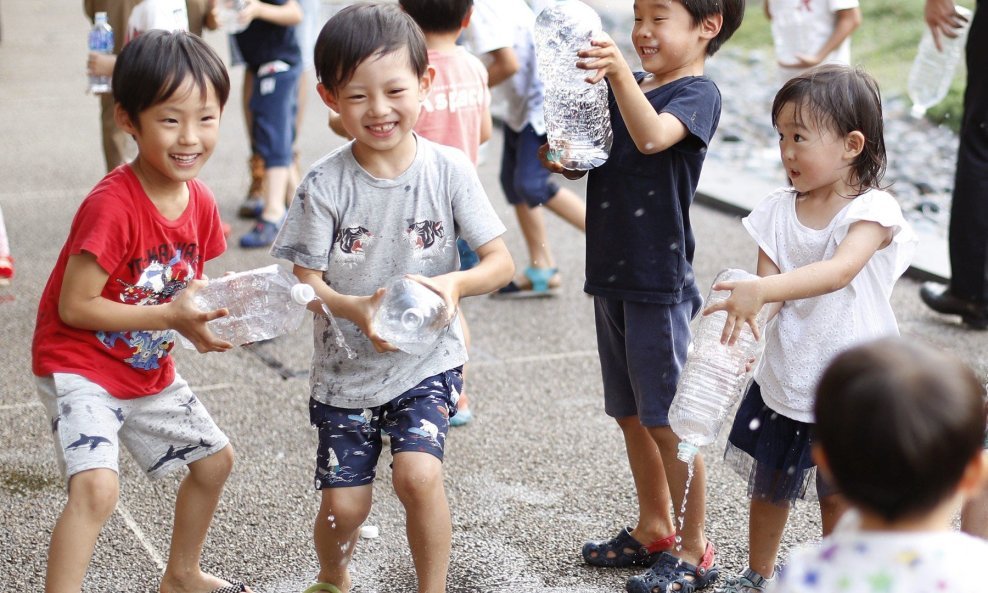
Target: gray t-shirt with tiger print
[{"x": 362, "y": 231}]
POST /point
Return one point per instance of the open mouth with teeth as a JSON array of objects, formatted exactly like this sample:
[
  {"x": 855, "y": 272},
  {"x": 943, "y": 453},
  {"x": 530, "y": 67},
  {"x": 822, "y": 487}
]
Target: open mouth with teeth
[
  {"x": 648, "y": 51},
  {"x": 382, "y": 129},
  {"x": 185, "y": 159}
]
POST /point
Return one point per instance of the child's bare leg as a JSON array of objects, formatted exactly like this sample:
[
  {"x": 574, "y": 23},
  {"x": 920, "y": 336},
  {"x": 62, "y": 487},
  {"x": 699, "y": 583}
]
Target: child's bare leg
[
  {"x": 766, "y": 522},
  {"x": 654, "y": 520},
  {"x": 418, "y": 482},
  {"x": 831, "y": 509},
  {"x": 341, "y": 513},
  {"x": 532, "y": 227},
  {"x": 92, "y": 498},
  {"x": 275, "y": 191},
  {"x": 196, "y": 501},
  {"x": 568, "y": 206},
  {"x": 693, "y": 539}
]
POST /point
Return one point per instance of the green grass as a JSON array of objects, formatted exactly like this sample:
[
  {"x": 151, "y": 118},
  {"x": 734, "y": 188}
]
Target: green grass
[{"x": 885, "y": 45}]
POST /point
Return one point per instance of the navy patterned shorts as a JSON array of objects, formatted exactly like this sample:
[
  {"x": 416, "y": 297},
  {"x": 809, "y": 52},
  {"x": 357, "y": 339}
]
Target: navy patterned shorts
[{"x": 350, "y": 438}]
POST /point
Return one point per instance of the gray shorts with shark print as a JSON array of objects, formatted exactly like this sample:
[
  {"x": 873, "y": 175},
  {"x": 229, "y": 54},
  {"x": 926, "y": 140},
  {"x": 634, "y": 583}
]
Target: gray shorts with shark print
[{"x": 163, "y": 432}]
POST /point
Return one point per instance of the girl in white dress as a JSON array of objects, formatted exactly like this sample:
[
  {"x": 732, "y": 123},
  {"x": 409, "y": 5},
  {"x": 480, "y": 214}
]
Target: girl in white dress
[{"x": 830, "y": 248}]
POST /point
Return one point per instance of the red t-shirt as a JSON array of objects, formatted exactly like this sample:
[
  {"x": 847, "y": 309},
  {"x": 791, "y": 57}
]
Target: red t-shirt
[{"x": 149, "y": 259}]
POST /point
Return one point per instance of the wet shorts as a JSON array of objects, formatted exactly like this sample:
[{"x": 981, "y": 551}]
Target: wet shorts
[
  {"x": 642, "y": 348},
  {"x": 415, "y": 421},
  {"x": 163, "y": 432}
]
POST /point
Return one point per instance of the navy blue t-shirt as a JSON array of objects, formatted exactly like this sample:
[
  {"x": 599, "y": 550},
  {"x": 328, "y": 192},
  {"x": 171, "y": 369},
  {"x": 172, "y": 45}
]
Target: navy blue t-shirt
[
  {"x": 262, "y": 42},
  {"x": 639, "y": 238}
]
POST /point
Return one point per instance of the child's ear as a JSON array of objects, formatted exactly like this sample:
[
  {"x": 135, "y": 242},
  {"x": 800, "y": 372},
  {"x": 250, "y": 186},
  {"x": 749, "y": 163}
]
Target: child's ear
[
  {"x": 123, "y": 121},
  {"x": 466, "y": 19},
  {"x": 710, "y": 26},
  {"x": 975, "y": 477},
  {"x": 328, "y": 97},
  {"x": 425, "y": 83},
  {"x": 854, "y": 144}
]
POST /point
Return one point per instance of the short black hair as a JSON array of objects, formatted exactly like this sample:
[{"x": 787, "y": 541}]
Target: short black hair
[
  {"x": 437, "y": 16},
  {"x": 842, "y": 99},
  {"x": 157, "y": 63},
  {"x": 732, "y": 12},
  {"x": 898, "y": 423},
  {"x": 360, "y": 31}
]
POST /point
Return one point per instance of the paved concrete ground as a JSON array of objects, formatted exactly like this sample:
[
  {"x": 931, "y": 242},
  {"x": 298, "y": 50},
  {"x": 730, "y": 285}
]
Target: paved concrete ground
[{"x": 539, "y": 471}]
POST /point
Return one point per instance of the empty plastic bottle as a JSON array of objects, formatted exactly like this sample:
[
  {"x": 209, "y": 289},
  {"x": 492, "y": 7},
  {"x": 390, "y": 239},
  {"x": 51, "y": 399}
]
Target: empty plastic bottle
[
  {"x": 714, "y": 376},
  {"x": 411, "y": 316},
  {"x": 933, "y": 70},
  {"x": 229, "y": 15},
  {"x": 101, "y": 42},
  {"x": 263, "y": 304},
  {"x": 577, "y": 120}
]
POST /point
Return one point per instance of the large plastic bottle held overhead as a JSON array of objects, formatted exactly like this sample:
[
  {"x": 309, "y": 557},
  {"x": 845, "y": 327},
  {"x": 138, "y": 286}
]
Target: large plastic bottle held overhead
[{"x": 577, "y": 119}]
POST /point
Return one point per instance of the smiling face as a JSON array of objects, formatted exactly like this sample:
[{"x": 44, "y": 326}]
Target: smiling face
[
  {"x": 815, "y": 157},
  {"x": 175, "y": 137},
  {"x": 667, "y": 41},
  {"x": 380, "y": 105}
]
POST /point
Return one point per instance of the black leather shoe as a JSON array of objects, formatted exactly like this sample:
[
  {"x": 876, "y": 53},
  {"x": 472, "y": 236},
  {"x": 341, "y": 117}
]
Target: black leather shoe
[{"x": 939, "y": 298}]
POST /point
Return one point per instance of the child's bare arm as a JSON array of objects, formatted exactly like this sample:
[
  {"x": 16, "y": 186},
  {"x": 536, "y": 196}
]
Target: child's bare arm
[
  {"x": 359, "y": 310},
  {"x": 81, "y": 305},
  {"x": 503, "y": 65},
  {"x": 494, "y": 271},
  {"x": 288, "y": 14},
  {"x": 652, "y": 132},
  {"x": 863, "y": 239},
  {"x": 486, "y": 124},
  {"x": 847, "y": 21}
]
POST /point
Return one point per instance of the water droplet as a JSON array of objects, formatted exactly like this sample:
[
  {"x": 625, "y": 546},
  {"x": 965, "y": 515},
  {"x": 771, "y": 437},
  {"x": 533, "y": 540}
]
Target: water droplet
[
  {"x": 754, "y": 424},
  {"x": 673, "y": 246},
  {"x": 649, "y": 146},
  {"x": 604, "y": 205},
  {"x": 640, "y": 212}
]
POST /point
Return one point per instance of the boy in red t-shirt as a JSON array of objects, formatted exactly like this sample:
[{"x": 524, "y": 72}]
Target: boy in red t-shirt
[{"x": 104, "y": 329}]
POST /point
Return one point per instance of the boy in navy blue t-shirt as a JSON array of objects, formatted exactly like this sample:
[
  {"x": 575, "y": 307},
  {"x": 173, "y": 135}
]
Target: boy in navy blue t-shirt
[{"x": 639, "y": 269}]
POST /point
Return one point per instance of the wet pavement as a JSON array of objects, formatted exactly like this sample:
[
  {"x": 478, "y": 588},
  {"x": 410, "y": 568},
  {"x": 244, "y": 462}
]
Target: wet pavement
[{"x": 540, "y": 470}]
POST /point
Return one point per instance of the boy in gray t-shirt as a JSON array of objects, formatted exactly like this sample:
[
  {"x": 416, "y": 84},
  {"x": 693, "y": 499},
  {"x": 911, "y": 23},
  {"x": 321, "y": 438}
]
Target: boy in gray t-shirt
[{"x": 386, "y": 204}]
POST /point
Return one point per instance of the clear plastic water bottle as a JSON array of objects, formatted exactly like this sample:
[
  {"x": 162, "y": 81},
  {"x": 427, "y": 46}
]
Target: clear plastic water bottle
[
  {"x": 577, "y": 120},
  {"x": 411, "y": 316},
  {"x": 933, "y": 70},
  {"x": 714, "y": 377},
  {"x": 263, "y": 304},
  {"x": 228, "y": 15},
  {"x": 101, "y": 42}
]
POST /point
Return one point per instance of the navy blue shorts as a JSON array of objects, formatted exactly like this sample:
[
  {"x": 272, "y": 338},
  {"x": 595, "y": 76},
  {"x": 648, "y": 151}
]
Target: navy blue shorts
[
  {"x": 523, "y": 178},
  {"x": 642, "y": 348},
  {"x": 273, "y": 104},
  {"x": 773, "y": 452},
  {"x": 350, "y": 438}
]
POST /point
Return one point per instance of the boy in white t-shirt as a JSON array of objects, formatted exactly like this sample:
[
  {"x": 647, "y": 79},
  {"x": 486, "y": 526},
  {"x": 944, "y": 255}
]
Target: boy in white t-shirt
[
  {"x": 811, "y": 32},
  {"x": 899, "y": 429}
]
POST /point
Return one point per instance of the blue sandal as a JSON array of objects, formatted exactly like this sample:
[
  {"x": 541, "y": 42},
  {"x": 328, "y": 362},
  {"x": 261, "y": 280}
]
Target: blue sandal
[
  {"x": 624, "y": 550},
  {"x": 669, "y": 571},
  {"x": 540, "y": 279}
]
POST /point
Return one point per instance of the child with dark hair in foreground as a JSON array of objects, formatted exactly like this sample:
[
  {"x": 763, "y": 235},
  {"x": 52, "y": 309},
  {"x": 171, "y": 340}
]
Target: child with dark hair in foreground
[
  {"x": 900, "y": 430},
  {"x": 103, "y": 338}
]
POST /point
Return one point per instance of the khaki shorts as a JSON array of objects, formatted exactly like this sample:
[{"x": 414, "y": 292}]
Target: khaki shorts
[{"x": 163, "y": 432}]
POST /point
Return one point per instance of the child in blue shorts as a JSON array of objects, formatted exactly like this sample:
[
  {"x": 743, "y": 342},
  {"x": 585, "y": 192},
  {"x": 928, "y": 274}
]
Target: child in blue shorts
[
  {"x": 383, "y": 205},
  {"x": 639, "y": 270}
]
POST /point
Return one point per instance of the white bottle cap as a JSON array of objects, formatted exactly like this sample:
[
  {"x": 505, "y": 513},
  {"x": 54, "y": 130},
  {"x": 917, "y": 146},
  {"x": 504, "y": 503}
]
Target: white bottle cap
[
  {"x": 369, "y": 531},
  {"x": 303, "y": 294}
]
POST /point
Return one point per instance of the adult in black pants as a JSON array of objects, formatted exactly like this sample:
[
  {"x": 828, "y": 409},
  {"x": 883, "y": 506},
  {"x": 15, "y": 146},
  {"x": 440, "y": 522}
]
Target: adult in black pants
[{"x": 967, "y": 293}]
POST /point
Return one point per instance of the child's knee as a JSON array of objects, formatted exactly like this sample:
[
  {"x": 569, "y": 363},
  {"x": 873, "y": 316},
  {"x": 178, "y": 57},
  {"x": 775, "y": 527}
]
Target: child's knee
[
  {"x": 95, "y": 492},
  {"x": 344, "y": 508},
  {"x": 214, "y": 469},
  {"x": 418, "y": 479}
]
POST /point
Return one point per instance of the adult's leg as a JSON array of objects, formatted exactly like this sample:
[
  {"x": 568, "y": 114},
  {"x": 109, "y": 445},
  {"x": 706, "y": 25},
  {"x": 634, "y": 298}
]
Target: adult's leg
[
  {"x": 93, "y": 496},
  {"x": 968, "y": 235},
  {"x": 418, "y": 482}
]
